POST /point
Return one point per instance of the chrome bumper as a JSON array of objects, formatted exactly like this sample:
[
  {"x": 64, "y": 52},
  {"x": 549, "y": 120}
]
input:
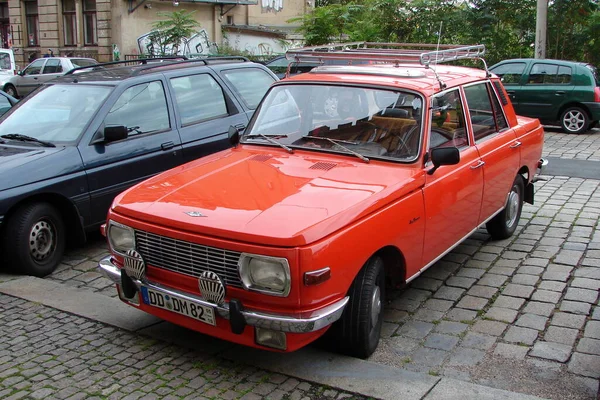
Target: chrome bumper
[
  {"x": 317, "y": 320},
  {"x": 540, "y": 169}
]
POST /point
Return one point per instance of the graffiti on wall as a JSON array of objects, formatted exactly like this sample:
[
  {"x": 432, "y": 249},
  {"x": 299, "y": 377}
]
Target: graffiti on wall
[
  {"x": 272, "y": 5},
  {"x": 197, "y": 44}
]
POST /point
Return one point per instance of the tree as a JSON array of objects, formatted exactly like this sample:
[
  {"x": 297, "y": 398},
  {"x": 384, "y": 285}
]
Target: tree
[{"x": 169, "y": 33}]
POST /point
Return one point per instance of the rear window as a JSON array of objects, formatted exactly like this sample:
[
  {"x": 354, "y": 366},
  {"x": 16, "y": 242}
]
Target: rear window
[
  {"x": 250, "y": 83},
  {"x": 82, "y": 62},
  {"x": 594, "y": 72}
]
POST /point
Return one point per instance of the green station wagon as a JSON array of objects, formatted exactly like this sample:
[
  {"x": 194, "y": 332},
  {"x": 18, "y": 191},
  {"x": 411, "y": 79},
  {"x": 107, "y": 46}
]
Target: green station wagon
[{"x": 554, "y": 91}]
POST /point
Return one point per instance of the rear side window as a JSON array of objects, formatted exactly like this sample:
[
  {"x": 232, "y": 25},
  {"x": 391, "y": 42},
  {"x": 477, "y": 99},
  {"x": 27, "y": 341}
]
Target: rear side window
[
  {"x": 564, "y": 75},
  {"x": 199, "y": 98},
  {"x": 543, "y": 74},
  {"x": 52, "y": 67},
  {"x": 82, "y": 62},
  {"x": 510, "y": 73},
  {"x": 250, "y": 83},
  {"x": 483, "y": 115}
]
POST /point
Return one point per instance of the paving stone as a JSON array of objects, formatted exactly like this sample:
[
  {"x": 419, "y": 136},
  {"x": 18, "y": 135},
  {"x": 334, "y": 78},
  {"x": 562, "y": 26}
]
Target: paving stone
[
  {"x": 596, "y": 313},
  {"x": 461, "y": 282},
  {"x": 429, "y": 357},
  {"x": 511, "y": 351},
  {"x": 587, "y": 272},
  {"x": 403, "y": 346},
  {"x": 405, "y": 304},
  {"x": 427, "y": 283},
  {"x": 415, "y": 294},
  {"x": 585, "y": 364},
  {"x": 472, "y": 303},
  {"x": 515, "y": 290},
  {"x": 517, "y": 334},
  {"x": 537, "y": 308},
  {"x": 474, "y": 273},
  {"x": 493, "y": 280},
  {"x": 501, "y": 314},
  {"x": 583, "y": 295},
  {"x": 551, "y": 351},
  {"x": 557, "y": 273},
  {"x": 562, "y": 335},
  {"x": 530, "y": 270},
  {"x": 585, "y": 283},
  {"x": 546, "y": 296},
  {"x": 532, "y": 321},
  {"x": 460, "y": 314},
  {"x": 498, "y": 270},
  {"x": 568, "y": 320},
  {"x": 508, "y": 302},
  {"x": 588, "y": 345},
  {"x": 592, "y": 330},
  {"x": 485, "y": 292},
  {"x": 478, "y": 341},
  {"x": 553, "y": 286},
  {"x": 493, "y": 328},
  {"x": 396, "y": 316},
  {"x": 439, "y": 305},
  {"x": 575, "y": 307},
  {"x": 415, "y": 329},
  {"x": 465, "y": 357},
  {"x": 568, "y": 257},
  {"x": 449, "y": 293},
  {"x": 424, "y": 314},
  {"x": 451, "y": 327},
  {"x": 524, "y": 279},
  {"x": 442, "y": 342}
]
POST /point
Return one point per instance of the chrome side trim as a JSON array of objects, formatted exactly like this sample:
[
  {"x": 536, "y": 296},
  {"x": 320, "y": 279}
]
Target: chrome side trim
[{"x": 285, "y": 323}]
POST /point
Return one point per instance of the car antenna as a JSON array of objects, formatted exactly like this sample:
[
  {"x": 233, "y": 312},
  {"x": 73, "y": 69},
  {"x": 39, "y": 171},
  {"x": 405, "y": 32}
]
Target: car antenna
[{"x": 442, "y": 84}]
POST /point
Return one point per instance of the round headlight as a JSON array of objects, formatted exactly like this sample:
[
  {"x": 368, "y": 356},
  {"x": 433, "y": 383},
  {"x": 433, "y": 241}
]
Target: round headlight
[
  {"x": 270, "y": 275},
  {"x": 120, "y": 237}
]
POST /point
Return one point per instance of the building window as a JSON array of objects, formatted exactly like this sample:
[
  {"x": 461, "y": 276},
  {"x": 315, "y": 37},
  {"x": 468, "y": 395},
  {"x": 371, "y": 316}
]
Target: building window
[
  {"x": 69, "y": 22},
  {"x": 90, "y": 32},
  {"x": 33, "y": 23}
]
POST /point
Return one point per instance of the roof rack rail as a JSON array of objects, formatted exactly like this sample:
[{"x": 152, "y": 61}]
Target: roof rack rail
[
  {"x": 422, "y": 53},
  {"x": 137, "y": 60}
]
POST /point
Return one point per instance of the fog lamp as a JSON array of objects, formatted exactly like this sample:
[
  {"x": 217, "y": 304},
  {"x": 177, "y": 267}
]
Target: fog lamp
[{"x": 269, "y": 338}]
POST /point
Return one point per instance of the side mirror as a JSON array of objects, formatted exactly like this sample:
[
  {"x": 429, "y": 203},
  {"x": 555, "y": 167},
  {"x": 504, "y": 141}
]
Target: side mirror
[
  {"x": 443, "y": 156},
  {"x": 114, "y": 133},
  {"x": 234, "y": 136}
]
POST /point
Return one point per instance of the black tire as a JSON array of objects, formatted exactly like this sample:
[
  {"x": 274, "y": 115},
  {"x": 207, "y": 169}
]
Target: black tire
[
  {"x": 504, "y": 224},
  {"x": 34, "y": 240},
  {"x": 574, "y": 120},
  {"x": 356, "y": 334},
  {"x": 10, "y": 90}
]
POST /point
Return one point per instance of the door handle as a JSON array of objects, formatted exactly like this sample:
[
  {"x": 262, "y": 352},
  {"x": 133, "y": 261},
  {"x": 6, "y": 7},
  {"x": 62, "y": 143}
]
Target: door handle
[
  {"x": 515, "y": 145},
  {"x": 35, "y": 78},
  {"x": 559, "y": 92},
  {"x": 478, "y": 165},
  {"x": 167, "y": 145}
]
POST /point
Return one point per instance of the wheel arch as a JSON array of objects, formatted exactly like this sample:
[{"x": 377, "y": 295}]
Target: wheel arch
[
  {"x": 527, "y": 184},
  {"x": 73, "y": 224},
  {"x": 11, "y": 85},
  {"x": 573, "y": 104},
  {"x": 394, "y": 264}
]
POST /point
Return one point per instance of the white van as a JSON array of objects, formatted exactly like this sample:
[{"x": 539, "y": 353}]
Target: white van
[{"x": 7, "y": 62}]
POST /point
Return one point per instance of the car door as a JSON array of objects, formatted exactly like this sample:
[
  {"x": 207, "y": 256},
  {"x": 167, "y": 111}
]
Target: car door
[
  {"x": 29, "y": 77},
  {"x": 453, "y": 193},
  {"x": 205, "y": 110},
  {"x": 52, "y": 69},
  {"x": 152, "y": 145},
  {"x": 544, "y": 91},
  {"x": 496, "y": 143},
  {"x": 511, "y": 74}
]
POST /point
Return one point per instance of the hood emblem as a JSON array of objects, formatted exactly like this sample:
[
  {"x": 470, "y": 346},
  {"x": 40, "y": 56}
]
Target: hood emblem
[
  {"x": 195, "y": 214},
  {"x": 211, "y": 287}
]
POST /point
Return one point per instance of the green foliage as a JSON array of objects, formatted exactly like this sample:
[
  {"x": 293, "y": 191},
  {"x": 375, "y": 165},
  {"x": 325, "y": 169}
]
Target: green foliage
[
  {"x": 506, "y": 27},
  {"x": 172, "y": 30}
]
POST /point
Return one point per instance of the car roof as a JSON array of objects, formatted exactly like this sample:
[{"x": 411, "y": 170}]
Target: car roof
[
  {"x": 407, "y": 76},
  {"x": 541, "y": 60}
]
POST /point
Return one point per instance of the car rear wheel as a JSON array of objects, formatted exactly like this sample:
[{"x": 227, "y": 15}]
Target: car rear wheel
[
  {"x": 357, "y": 332},
  {"x": 574, "y": 120},
  {"x": 504, "y": 224},
  {"x": 10, "y": 90},
  {"x": 35, "y": 239}
]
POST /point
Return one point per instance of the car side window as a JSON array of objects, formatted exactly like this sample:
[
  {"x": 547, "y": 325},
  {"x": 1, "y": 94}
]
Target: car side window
[
  {"x": 564, "y": 75},
  {"x": 250, "y": 83},
  {"x": 483, "y": 114},
  {"x": 543, "y": 74},
  {"x": 52, "y": 66},
  {"x": 447, "y": 124},
  {"x": 34, "y": 68},
  {"x": 4, "y": 105},
  {"x": 199, "y": 98},
  {"x": 141, "y": 108},
  {"x": 510, "y": 73}
]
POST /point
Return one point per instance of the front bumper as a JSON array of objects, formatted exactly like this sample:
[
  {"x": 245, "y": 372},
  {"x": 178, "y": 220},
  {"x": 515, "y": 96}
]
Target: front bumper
[{"x": 319, "y": 319}]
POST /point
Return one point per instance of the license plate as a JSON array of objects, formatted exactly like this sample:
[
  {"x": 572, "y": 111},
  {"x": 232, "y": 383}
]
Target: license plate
[{"x": 178, "y": 305}]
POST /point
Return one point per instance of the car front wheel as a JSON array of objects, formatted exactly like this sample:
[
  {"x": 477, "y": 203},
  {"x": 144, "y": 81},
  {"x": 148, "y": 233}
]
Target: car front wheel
[
  {"x": 35, "y": 239},
  {"x": 504, "y": 224},
  {"x": 574, "y": 120}
]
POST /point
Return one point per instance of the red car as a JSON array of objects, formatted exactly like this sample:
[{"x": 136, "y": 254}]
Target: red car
[{"x": 348, "y": 180}]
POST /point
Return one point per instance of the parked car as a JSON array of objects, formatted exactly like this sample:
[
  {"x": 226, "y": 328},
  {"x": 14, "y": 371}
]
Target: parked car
[
  {"x": 348, "y": 179},
  {"x": 40, "y": 71},
  {"x": 555, "y": 91},
  {"x": 6, "y": 103},
  {"x": 72, "y": 146},
  {"x": 279, "y": 66},
  {"x": 8, "y": 65}
]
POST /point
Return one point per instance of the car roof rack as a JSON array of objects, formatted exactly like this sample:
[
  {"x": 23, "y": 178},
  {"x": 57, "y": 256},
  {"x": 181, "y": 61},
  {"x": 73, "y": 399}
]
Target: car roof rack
[
  {"x": 424, "y": 54},
  {"x": 175, "y": 60}
]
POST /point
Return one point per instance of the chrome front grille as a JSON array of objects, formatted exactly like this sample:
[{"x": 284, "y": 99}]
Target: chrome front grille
[{"x": 188, "y": 258}]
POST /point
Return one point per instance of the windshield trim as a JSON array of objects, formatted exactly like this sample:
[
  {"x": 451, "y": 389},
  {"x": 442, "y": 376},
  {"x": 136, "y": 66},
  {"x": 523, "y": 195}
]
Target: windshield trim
[{"x": 424, "y": 105}]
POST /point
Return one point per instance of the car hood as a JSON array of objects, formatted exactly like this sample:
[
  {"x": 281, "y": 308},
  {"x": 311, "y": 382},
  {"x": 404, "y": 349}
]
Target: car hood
[
  {"x": 262, "y": 195},
  {"x": 21, "y": 165}
]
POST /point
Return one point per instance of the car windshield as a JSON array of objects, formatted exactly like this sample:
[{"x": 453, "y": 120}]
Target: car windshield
[
  {"x": 57, "y": 113},
  {"x": 371, "y": 122}
]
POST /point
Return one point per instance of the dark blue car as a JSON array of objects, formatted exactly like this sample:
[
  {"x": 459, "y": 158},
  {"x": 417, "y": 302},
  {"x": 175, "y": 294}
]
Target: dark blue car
[{"x": 68, "y": 149}]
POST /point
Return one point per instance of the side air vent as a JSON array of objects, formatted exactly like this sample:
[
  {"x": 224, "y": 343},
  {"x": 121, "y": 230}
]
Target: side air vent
[
  {"x": 323, "y": 165},
  {"x": 261, "y": 157}
]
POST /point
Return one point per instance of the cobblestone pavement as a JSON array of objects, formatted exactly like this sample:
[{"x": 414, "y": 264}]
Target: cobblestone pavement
[
  {"x": 48, "y": 354},
  {"x": 578, "y": 147}
]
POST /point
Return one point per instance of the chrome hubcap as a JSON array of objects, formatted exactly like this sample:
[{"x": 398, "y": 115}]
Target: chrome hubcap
[
  {"x": 512, "y": 208},
  {"x": 375, "y": 306},
  {"x": 574, "y": 120},
  {"x": 42, "y": 240}
]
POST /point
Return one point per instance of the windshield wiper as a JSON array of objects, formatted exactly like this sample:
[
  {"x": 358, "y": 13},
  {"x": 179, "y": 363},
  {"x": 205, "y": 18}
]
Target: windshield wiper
[
  {"x": 337, "y": 142},
  {"x": 270, "y": 139},
  {"x": 25, "y": 138}
]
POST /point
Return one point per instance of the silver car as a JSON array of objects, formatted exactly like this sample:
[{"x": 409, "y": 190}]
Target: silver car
[{"x": 40, "y": 71}]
